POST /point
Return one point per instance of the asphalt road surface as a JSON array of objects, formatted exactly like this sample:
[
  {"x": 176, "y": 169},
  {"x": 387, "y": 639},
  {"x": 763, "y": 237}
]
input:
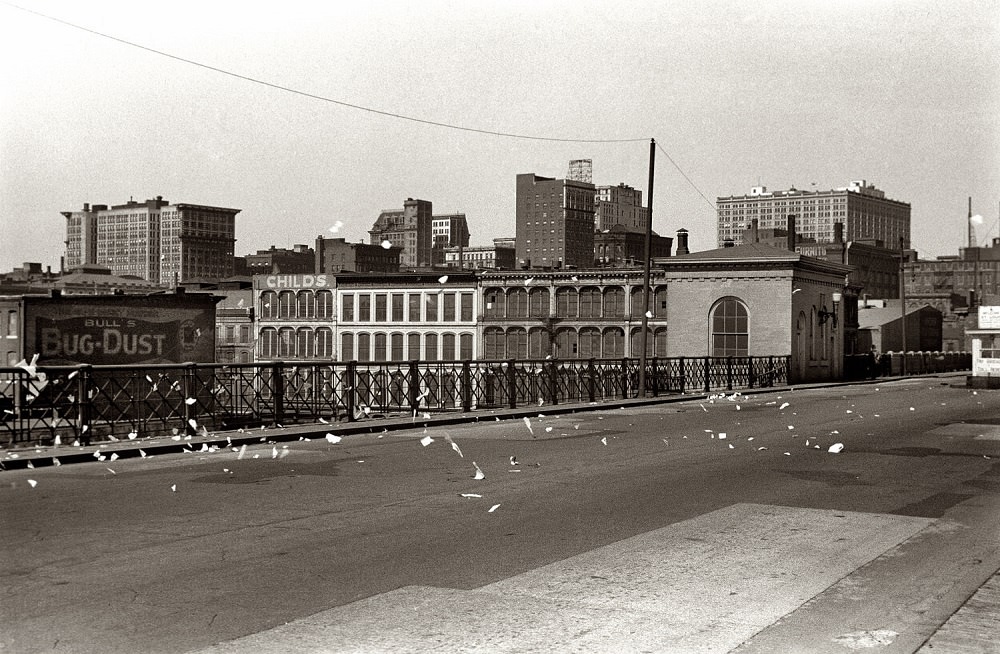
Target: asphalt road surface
[{"x": 705, "y": 526}]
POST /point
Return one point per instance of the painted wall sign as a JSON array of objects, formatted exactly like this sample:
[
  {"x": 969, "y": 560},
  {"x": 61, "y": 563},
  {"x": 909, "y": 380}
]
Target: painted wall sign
[{"x": 117, "y": 331}]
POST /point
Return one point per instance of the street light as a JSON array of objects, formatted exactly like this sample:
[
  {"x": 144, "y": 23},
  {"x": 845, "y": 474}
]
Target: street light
[{"x": 825, "y": 315}]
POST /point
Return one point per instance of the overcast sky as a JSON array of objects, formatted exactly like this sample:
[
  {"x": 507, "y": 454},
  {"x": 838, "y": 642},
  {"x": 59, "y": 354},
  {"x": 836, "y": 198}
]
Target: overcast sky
[{"x": 904, "y": 94}]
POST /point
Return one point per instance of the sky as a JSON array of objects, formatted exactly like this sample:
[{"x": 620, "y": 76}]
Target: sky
[{"x": 902, "y": 93}]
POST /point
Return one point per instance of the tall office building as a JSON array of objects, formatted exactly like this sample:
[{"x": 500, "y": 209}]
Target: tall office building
[
  {"x": 410, "y": 229},
  {"x": 160, "y": 242},
  {"x": 448, "y": 231},
  {"x": 554, "y": 222},
  {"x": 864, "y": 211},
  {"x": 619, "y": 205}
]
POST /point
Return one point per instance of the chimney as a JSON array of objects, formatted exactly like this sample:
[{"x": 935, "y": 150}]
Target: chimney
[
  {"x": 791, "y": 233},
  {"x": 86, "y": 207},
  {"x": 682, "y": 242},
  {"x": 838, "y": 232},
  {"x": 753, "y": 231}
]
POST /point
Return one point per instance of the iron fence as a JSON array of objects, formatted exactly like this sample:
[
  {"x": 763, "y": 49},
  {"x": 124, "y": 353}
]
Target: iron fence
[{"x": 82, "y": 403}]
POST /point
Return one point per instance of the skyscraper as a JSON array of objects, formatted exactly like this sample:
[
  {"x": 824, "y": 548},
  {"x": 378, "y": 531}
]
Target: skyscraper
[
  {"x": 864, "y": 211},
  {"x": 554, "y": 222},
  {"x": 154, "y": 240},
  {"x": 620, "y": 205}
]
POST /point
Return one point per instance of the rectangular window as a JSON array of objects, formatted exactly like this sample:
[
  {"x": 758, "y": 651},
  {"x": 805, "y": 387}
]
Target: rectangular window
[
  {"x": 465, "y": 307},
  {"x": 12, "y": 323},
  {"x": 431, "y": 346},
  {"x": 380, "y": 307},
  {"x": 449, "y": 307},
  {"x": 364, "y": 307},
  {"x": 431, "y": 308},
  {"x": 414, "y": 302},
  {"x": 397, "y": 307}
]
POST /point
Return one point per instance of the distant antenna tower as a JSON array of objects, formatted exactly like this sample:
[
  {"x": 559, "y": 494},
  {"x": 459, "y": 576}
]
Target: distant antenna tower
[{"x": 581, "y": 170}]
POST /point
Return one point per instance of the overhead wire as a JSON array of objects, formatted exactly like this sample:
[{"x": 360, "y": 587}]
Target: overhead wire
[{"x": 350, "y": 105}]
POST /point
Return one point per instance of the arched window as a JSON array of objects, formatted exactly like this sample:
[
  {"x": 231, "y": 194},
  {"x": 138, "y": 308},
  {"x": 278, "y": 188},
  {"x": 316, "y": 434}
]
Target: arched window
[
  {"x": 286, "y": 304},
  {"x": 567, "y": 302},
  {"x": 448, "y": 343},
  {"x": 636, "y": 342},
  {"x": 396, "y": 346},
  {"x": 517, "y": 343},
  {"x": 268, "y": 343},
  {"x": 304, "y": 344},
  {"x": 538, "y": 302},
  {"x": 567, "y": 344},
  {"x": 413, "y": 346},
  {"x": 614, "y": 343},
  {"x": 465, "y": 346},
  {"x": 659, "y": 307},
  {"x": 590, "y": 343},
  {"x": 494, "y": 303},
  {"x": 614, "y": 302},
  {"x": 286, "y": 342},
  {"x": 493, "y": 343},
  {"x": 538, "y": 343},
  {"x": 431, "y": 347},
  {"x": 381, "y": 346},
  {"x": 590, "y": 302},
  {"x": 305, "y": 304},
  {"x": 324, "y": 343},
  {"x": 268, "y": 304},
  {"x": 660, "y": 342},
  {"x": 730, "y": 328},
  {"x": 347, "y": 346},
  {"x": 324, "y": 304},
  {"x": 635, "y": 308},
  {"x": 364, "y": 346},
  {"x": 517, "y": 303}
]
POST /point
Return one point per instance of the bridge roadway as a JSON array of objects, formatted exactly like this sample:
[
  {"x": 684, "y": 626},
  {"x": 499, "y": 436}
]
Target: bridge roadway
[{"x": 706, "y": 525}]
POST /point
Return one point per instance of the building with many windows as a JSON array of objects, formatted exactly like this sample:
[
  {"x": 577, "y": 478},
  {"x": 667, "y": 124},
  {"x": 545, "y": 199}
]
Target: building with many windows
[
  {"x": 618, "y": 247},
  {"x": 409, "y": 316},
  {"x": 448, "y": 231},
  {"x": 500, "y": 256},
  {"x": 863, "y": 209},
  {"x": 235, "y": 330},
  {"x": 335, "y": 255},
  {"x": 276, "y": 261},
  {"x": 296, "y": 317},
  {"x": 620, "y": 205},
  {"x": 554, "y": 222},
  {"x": 411, "y": 230},
  {"x": 157, "y": 241}
]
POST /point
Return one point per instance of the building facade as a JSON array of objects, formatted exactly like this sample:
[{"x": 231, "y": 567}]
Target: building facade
[
  {"x": 554, "y": 222},
  {"x": 618, "y": 247},
  {"x": 336, "y": 255},
  {"x": 498, "y": 256},
  {"x": 154, "y": 240},
  {"x": 863, "y": 209},
  {"x": 406, "y": 317},
  {"x": 620, "y": 205},
  {"x": 411, "y": 230},
  {"x": 448, "y": 231},
  {"x": 235, "y": 329},
  {"x": 755, "y": 300},
  {"x": 276, "y": 261},
  {"x": 296, "y": 317}
]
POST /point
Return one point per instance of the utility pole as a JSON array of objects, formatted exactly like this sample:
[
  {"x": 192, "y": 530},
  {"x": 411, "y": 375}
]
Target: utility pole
[
  {"x": 645, "y": 272},
  {"x": 902, "y": 301}
]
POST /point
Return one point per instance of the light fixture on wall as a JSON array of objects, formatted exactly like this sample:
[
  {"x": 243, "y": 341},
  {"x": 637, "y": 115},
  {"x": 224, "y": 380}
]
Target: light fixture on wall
[{"x": 825, "y": 315}]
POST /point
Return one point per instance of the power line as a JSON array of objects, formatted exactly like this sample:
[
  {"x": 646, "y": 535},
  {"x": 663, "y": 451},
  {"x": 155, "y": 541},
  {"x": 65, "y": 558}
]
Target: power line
[
  {"x": 669, "y": 158},
  {"x": 322, "y": 98}
]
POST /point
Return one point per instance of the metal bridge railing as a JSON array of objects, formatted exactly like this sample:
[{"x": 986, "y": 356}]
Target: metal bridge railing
[{"x": 68, "y": 404}]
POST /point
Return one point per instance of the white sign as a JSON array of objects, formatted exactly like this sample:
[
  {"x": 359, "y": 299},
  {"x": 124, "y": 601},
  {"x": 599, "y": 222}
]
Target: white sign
[{"x": 989, "y": 317}]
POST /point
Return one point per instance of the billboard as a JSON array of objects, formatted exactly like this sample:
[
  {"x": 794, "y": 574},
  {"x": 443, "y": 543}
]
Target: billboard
[{"x": 117, "y": 330}]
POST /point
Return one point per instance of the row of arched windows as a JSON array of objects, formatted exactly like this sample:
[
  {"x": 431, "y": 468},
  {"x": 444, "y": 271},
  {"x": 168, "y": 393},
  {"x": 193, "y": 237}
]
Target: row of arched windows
[
  {"x": 306, "y": 303},
  {"x": 292, "y": 343},
  {"x": 571, "y": 302},
  {"x": 570, "y": 342}
]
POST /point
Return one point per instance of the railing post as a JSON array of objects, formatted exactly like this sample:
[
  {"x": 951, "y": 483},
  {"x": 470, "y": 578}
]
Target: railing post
[
  {"x": 683, "y": 374},
  {"x": 413, "y": 386},
  {"x": 83, "y": 403},
  {"x": 553, "y": 382},
  {"x": 708, "y": 374},
  {"x": 654, "y": 377},
  {"x": 512, "y": 383},
  {"x": 466, "y": 385},
  {"x": 624, "y": 377},
  {"x": 751, "y": 372},
  {"x": 729, "y": 372},
  {"x": 591, "y": 380},
  {"x": 770, "y": 371},
  {"x": 188, "y": 392},
  {"x": 278, "y": 389},
  {"x": 350, "y": 389}
]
